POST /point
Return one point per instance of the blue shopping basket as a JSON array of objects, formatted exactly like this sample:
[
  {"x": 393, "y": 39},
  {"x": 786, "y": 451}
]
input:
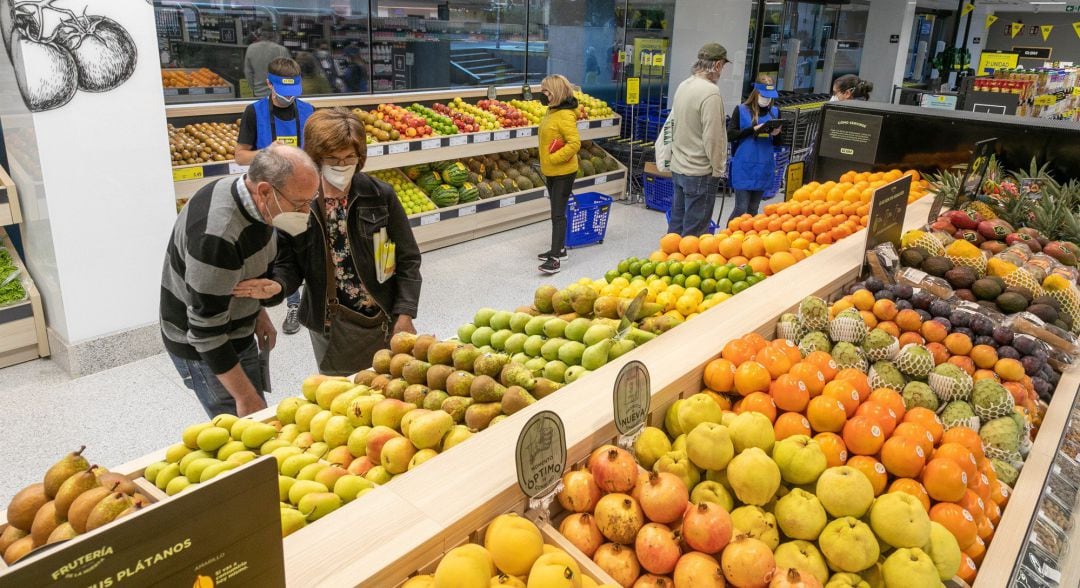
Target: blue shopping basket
[
  {"x": 659, "y": 192},
  {"x": 586, "y": 218}
]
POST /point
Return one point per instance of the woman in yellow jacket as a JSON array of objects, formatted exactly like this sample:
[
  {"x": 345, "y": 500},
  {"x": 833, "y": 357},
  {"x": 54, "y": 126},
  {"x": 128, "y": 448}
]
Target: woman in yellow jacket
[{"x": 559, "y": 146}]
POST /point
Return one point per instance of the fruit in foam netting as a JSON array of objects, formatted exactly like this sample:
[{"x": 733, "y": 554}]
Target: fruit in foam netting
[
  {"x": 706, "y": 527},
  {"x": 613, "y": 469},
  {"x": 663, "y": 496}
]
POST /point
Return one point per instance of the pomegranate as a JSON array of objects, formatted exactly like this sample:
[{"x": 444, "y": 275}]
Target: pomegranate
[
  {"x": 706, "y": 527},
  {"x": 614, "y": 469},
  {"x": 619, "y": 518},
  {"x": 794, "y": 578},
  {"x": 580, "y": 492},
  {"x": 663, "y": 496},
  {"x": 619, "y": 562},
  {"x": 581, "y": 530},
  {"x": 657, "y": 548},
  {"x": 653, "y": 581},
  {"x": 698, "y": 570},
  {"x": 748, "y": 563}
]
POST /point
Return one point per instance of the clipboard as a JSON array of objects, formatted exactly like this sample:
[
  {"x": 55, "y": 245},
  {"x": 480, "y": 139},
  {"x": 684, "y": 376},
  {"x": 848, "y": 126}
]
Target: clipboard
[
  {"x": 771, "y": 125},
  {"x": 385, "y": 256},
  {"x": 264, "y": 364}
]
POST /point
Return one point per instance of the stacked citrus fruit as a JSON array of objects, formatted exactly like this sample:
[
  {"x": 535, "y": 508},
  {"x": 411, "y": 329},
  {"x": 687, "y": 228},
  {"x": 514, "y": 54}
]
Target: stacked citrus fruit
[{"x": 767, "y": 253}]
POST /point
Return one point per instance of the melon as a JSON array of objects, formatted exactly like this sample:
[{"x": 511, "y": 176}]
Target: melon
[
  {"x": 510, "y": 186},
  {"x": 485, "y": 191},
  {"x": 497, "y": 175},
  {"x": 468, "y": 192},
  {"x": 511, "y": 156},
  {"x": 496, "y": 188},
  {"x": 415, "y": 171},
  {"x": 439, "y": 166},
  {"x": 456, "y": 174},
  {"x": 428, "y": 182},
  {"x": 586, "y": 168},
  {"x": 445, "y": 195},
  {"x": 524, "y": 183}
]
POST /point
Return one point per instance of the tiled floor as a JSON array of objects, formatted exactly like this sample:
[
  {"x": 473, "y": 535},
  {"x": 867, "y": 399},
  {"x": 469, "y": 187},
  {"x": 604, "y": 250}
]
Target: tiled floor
[{"x": 125, "y": 412}]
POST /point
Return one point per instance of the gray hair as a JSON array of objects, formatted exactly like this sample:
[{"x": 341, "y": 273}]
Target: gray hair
[
  {"x": 703, "y": 66},
  {"x": 277, "y": 163}
]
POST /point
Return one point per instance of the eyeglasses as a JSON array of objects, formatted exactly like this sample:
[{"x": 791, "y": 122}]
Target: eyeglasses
[
  {"x": 334, "y": 161},
  {"x": 296, "y": 207}
]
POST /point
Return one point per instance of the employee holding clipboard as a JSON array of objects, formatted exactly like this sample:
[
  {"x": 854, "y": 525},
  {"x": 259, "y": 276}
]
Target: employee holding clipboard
[{"x": 754, "y": 127}]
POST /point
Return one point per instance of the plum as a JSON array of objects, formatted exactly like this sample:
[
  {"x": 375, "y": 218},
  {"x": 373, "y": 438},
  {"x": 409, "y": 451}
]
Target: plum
[
  {"x": 965, "y": 331},
  {"x": 985, "y": 340},
  {"x": 1042, "y": 387},
  {"x": 855, "y": 287},
  {"x": 921, "y": 300},
  {"x": 903, "y": 291},
  {"x": 903, "y": 305},
  {"x": 945, "y": 322},
  {"x": 1002, "y": 335},
  {"x": 982, "y": 326},
  {"x": 1008, "y": 352},
  {"x": 884, "y": 294},
  {"x": 925, "y": 316},
  {"x": 960, "y": 318},
  {"x": 1025, "y": 344},
  {"x": 940, "y": 308},
  {"x": 1032, "y": 364},
  {"x": 873, "y": 284}
]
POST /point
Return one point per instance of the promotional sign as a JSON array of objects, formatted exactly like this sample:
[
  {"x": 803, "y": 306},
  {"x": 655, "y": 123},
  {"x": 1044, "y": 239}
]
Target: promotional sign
[
  {"x": 990, "y": 20},
  {"x": 994, "y": 60},
  {"x": 1034, "y": 52},
  {"x": 850, "y": 136},
  {"x": 633, "y": 91},
  {"x": 794, "y": 179},
  {"x": 887, "y": 213},
  {"x": 1046, "y": 29},
  {"x": 631, "y": 398},
  {"x": 1015, "y": 29},
  {"x": 541, "y": 454},
  {"x": 226, "y": 532},
  {"x": 976, "y": 170}
]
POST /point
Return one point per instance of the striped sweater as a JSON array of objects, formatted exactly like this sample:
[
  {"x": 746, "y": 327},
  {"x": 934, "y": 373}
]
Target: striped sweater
[{"x": 216, "y": 242}]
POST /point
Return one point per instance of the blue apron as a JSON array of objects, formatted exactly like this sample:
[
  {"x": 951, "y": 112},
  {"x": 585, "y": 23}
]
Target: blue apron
[
  {"x": 271, "y": 128},
  {"x": 753, "y": 165}
]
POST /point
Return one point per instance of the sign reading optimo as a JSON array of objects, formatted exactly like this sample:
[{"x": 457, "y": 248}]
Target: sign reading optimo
[
  {"x": 887, "y": 213},
  {"x": 850, "y": 136},
  {"x": 226, "y": 532}
]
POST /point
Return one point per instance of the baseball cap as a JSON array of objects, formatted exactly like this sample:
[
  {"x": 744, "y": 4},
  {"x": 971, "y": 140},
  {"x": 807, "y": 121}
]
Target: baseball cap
[
  {"x": 766, "y": 90},
  {"x": 712, "y": 52},
  {"x": 283, "y": 86}
]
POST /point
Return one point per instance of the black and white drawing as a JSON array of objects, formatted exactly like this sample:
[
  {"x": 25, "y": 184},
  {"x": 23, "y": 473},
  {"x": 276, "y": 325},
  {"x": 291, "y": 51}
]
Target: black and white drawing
[{"x": 56, "y": 52}]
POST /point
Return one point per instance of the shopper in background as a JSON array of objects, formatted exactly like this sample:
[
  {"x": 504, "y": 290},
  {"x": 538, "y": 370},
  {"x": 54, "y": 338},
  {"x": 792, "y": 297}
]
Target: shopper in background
[
  {"x": 851, "y": 87},
  {"x": 257, "y": 60},
  {"x": 312, "y": 79},
  {"x": 754, "y": 162},
  {"x": 559, "y": 146},
  {"x": 355, "y": 77},
  {"x": 349, "y": 313},
  {"x": 699, "y": 149},
  {"x": 279, "y": 118},
  {"x": 329, "y": 68},
  {"x": 215, "y": 283}
]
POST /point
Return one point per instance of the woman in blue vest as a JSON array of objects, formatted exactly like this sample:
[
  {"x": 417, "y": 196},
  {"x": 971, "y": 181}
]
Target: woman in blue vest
[
  {"x": 753, "y": 165},
  {"x": 278, "y": 118}
]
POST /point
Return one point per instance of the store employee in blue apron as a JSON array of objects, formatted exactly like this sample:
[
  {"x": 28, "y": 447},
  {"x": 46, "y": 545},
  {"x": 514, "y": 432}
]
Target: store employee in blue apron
[
  {"x": 278, "y": 118},
  {"x": 753, "y": 165}
]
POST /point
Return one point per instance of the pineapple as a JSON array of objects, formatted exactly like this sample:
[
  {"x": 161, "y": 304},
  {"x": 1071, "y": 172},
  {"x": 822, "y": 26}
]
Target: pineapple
[{"x": 947, "y": 185}]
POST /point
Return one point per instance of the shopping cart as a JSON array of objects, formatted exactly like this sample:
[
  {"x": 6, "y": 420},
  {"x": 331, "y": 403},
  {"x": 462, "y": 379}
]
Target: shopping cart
[{"x": 586, "y": 218}]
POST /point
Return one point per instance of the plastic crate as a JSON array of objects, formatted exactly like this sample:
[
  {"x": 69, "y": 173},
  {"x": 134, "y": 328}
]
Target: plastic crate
[
  {"x": 659, "y": 192},
  {"x": 586, "y": 218},
  {"x": 712, "y": 224}
]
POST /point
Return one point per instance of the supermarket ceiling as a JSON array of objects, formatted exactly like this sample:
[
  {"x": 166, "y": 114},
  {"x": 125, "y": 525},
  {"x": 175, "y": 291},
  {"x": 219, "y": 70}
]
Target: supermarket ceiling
[{"x": 1006, "y": 5}]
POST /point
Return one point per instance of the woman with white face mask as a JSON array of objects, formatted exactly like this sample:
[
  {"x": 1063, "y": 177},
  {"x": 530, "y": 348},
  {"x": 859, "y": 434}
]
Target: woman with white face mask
[
  {"x": 348, "y": 311},
  {"x": 752, "y": 166}
]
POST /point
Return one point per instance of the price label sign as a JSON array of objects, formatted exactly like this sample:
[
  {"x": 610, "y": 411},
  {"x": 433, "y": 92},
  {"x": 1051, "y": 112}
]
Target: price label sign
[
  {"x": 458, "y": 140},
  {"x": 430, "y": 144},
  {"x": 1046, "y": 100},
  {"x": 607, "y": 122},
  {"x": 507, "y": 202},
  {"x": 887, "y": 213},
  {"x": 376, "y": 150},
  {"x": 541, "y": 454},
  {"x": 397, "y": 148},
  {"x": 481, "y": 137},
  {"x": 467, "y": 210},
  {"x": 583, "y": 125},
  {"x": 631, "y": 398},
  {"x": 526, "y": 132},
  {"x": 658, "y": 59},
  {"x": 502, "y": 135},
  {"x": 429, "y": 219},
  {"x": 599, "y": 180},
  {"x": 187, "y": 173},
  {"x": 196, "y": 91},
  {"x": 235, "y": 168},
  {"x": 633, "y": 91}
]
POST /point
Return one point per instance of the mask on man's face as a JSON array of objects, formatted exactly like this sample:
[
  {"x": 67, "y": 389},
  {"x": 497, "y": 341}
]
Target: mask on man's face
[
  {"x": 283, "y": 101},
  {"x": 294, "y": 223}
]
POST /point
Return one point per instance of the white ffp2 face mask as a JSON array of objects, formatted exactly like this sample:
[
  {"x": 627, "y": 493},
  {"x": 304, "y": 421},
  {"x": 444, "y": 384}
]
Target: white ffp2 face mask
[
  {"x": 339, "y": 176},
  {"x": 293, "y": 223},
  {"x": 763, "y": 101}
]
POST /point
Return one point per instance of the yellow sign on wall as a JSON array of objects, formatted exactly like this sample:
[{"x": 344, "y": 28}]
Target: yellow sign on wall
[
  {"x": 989, "y": 60},
  {"x": 1046, "y": 31},
  {"x": 1016, "y": 28},
  {"x": 990, "y": 20}
]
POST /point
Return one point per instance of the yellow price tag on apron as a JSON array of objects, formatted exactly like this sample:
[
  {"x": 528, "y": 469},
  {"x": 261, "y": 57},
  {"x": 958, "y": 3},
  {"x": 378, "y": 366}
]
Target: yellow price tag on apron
[{"x": 290, "y": 140}]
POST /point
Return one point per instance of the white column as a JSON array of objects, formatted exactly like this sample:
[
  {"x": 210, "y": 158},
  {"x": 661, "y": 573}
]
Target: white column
[
  {"x": 698, "y": 22},
  {"x": 883, "y": 60},
  {"x": 94, "y": 182},
  {"x": 978, "y": 31}
]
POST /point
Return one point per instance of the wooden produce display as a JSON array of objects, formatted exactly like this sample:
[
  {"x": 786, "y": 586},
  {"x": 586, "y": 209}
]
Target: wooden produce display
[
  {"x": 10, "y": 213},
  {"x": 22, "y": 325}
]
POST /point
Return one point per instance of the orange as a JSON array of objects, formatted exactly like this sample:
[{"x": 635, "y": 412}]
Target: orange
[
  {"x": 934, "y": 331},
  {"x": 885, "y": 309},
  {"x": 708, "y": 245},
  {"x": 982, "y": 488},
  {"x": 791, "y": 423},
  {"x": 781, "y": 260},
  {"x": 789, "y": 349},
  {"x": 857, "y": 378},
  {"x": 730, "y": 247},
  {"x": 669, "y": 243},
  {"x": 825, "y": 363},
  {"x": 880, "y": 413},
  {"x": 958, "y": 521},
  {"x": 758, "y": 402},
  {"x": 972, "y": 502},
  {"x": 760, "y": 264},
  {"x": 720, "y": 375},
  {"x": 863, "y": 436},
  {"x": 984, "y": 374},
  {"x": 908, "y": 320},
  {"x": 833, "y": 445},
  {"x": 993, "y": 512},
  {"x": 845, "y": 393},
  {"x": 944, "y": 480},
  {"x": 903, "y": 457},
  {"x": 868, "y": 318},
  {"x": 912, "y": 487},
  {"x": 910, "y": 337},
  {"x": 890, "y": 398},
  {"x": 966, "y": 437},
  {"x": 688, "y": 245},
  {"x": 963, "y": 363},
  {"x": 939, "y": 352},
  {"x": 753, "y": 246},
  {"x": 756, "y": 341},
  {"x": 738, "y": 261},
  {"x": 657, "y": 256},
  {"x": 738, "y": 351},
  {"x": 984, "y": 356},
  {"x": 863, "y": 299},
  {"x": 677, "y": 256},
  {"x": 986, "y": 528},
  {"x": 999, "y": 493},
  {"x": 789, "y": 393},
  {"x": 977, "y": 550},
  {"x": 827, "y": 415},
  {"x": 968, "y": 569},
  {"x": 1017, "y": 390},
  {"x": 916, "y": 433},
  {"x": 926, "y": 418},
  {"x": 810, "y": 375},
  {"x": 958, "y": 344},
  {"x": 751, "y": 376},
  {"x": 1009, "y": 369},
  {"x": 961, "y": 455},
  {"x": 873, "y": 470},
  {"x": 889, "y": 327}
]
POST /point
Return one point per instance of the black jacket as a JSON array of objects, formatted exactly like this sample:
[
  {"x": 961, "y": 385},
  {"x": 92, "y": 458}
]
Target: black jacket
[{"x": 372, "y": 206}]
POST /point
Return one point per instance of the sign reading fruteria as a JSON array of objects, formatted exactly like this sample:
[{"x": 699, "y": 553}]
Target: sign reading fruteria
[{"x": 226, "y": 532}]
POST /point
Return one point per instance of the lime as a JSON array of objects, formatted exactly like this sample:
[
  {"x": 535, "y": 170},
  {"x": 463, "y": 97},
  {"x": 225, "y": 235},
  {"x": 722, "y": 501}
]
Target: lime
[
  {"x": 675, "y": 269},
  {"x": 635, "y": 268},
  {"x": 708, "y": 286},
  {"x": 691, "y": 268},
  {"x": 666, "y": 280},
  {"x": 662, "y": 268},
  {"x": 679, "y": 279},
  {"x": 624, "y": 266},
  {"x": 739, "y": 287},
  {"x": 737, "y": 274},
  {"x": 752, "y": 280},
  {"x": 627, "y": 276},
  {"x": 721, "y": 272},
  {"x": 611, "y": 275},
  {"x": 693, "y": 281},
  {"x": 648, "y": 268},
  {"x": 760, "y": 276},
  {"x": 708, "y": 270},
  {"x": 724, "y": 285}
]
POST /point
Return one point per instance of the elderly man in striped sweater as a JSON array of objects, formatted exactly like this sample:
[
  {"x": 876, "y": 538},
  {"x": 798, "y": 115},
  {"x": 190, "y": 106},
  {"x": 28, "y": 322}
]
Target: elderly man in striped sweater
[{"x": 214, "y": 284}]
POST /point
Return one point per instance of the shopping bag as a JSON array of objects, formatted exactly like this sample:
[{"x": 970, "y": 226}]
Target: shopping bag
[{"x": 663, "y": 144}]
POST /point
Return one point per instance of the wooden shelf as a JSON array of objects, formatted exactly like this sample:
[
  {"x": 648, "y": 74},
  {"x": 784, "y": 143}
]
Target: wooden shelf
[
  {"x": 10, "y": 213},
  {"x": 22, "y": 325}
]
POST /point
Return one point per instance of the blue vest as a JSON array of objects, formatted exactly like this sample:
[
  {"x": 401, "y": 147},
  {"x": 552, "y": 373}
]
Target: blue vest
[
  {"x": 753, "y": 164},
  {"x": 271, "y": 128}
]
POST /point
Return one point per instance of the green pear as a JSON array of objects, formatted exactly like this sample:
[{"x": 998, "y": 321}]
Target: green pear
[
  {"x": 190, "y": 435},
  {"x": 318, "y": 424},
  {"x": 516, "y": 374},
  {"x": 598, "y": 333},
  {"x": 845, "y": 492},
  {"x": 236, "y": 431},
  {"x": 755, "y": 522},
  {"x": 534, "y": 345},
  {"x": 396, "y": 455},
  {"x": 257, "y": 434},
  {"x": 639, "y": 336},
  {"x": 196, "y": 468},
  {"x": 422, "y": 456},
  {"x": 174, "y": 453},
  {"x": 151, "y": 471},
  {"x": 337, "y": 431},
  {"x": 319, "y": 449},
  {"x": 555, "y": 371},
  {"x": 620, "y": 348},
  {"x": 241, "y": 457},
  {"x": 428, "y": 430},
  {"x": 499, "y": 339},
  {"x": 536, "y": 365},
  {"x": 340, "y": 404},
  {"x": 194, "y": 455},
  {"x": 304, "y": 414},
  {"x": 910, "y": 567},
  {"x": 408, "y": 419},
  {"x": 302, "y": 488},
  {"x": 457, "y": 434},
  {"x": 519, "y": 320},
  {"x": 753, "y": 476},
  {"x": 481, "y": 337},
  {"x": 596, "y": 355},
  {"x": 215, "y": 470},
  {"x": 535, "y": 326},
  {"x": 555, "y": 328},
  {"x": 575, "y": 330},
  {"x": 515, "y": 343},
  {"x": 359, "y": 410},
  {"x": 288, "y": 433},
  {"x": 709, "y": 446},
  {"x": 803, "y": 556},
  {"x": 64, "y": 468},
  {"x": 230, "y": 448},
  {"x": 378, "y": 475},
  {"x": 309, "y": 471},
  {"x": 271, "y": 446},
  {"x": 900, "y": 520},
  {"x": 348, "y": 486},
  {"x": 292, "y": 521},
  {"x": 177, "y": 485},
  {"x": 283, "y": 452},
  {"x": 571, "y": 353},
  {"x": 466, "y": 331},
  {"x": 357, "y": 442},
  {"x": 389, "y": 412},
  {"x": 800, "y": 515},
  {"x": 800, "y": 458},
  {"x": 714, "y": 492},
  {"x": 849, "y": 545},
  {"x": 500, "y": 319},
  {"x": 327, "y": 391},
  {"x": 285, "y": 483},
  {"x": 293, "y": 464},
  {"x": 166, "y": 475},
  {"x": 318, "y": 504},
  {"x": 550, "y": 349},
  {"x": 286, "y": 409},
  {"x": 751, "y": 429},
  {"x": 575, "y": 373},
  {"x": 650, "y": 446}
]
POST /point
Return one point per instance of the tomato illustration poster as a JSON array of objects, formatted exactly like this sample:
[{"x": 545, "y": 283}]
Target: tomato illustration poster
[{"x": 61, "y": 47}]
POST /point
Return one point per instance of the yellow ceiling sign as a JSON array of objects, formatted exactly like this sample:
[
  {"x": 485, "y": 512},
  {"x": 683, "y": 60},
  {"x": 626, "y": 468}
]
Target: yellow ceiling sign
[{"x": 1046, "y": 31}]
